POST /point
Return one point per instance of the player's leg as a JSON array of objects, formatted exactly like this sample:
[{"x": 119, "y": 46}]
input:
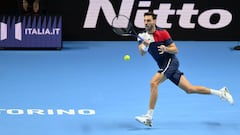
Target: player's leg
[
  {"x": 189, "y": 88},
  {"x": 25, "y": 5},
  {"x": 154, "y": 83},
  {"x": 36, "y": 6}
]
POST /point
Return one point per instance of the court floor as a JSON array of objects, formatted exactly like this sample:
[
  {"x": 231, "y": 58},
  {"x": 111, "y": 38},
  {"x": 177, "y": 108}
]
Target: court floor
[{"x": 88, "y": 89}]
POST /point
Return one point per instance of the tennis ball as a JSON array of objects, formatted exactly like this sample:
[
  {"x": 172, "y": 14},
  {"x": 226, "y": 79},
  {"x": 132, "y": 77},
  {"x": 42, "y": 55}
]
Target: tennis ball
[{"x": 126, "y": 57}]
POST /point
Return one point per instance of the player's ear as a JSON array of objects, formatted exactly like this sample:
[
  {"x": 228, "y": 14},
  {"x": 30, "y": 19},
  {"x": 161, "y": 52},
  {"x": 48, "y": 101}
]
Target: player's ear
[{"x": 155, "y": 21}]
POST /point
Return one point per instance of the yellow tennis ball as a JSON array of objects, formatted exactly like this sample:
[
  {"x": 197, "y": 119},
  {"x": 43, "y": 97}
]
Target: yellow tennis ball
[{"x": 127, "y": 57}]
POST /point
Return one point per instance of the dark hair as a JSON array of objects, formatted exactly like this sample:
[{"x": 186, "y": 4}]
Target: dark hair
[{"x": 154, "y": 16}]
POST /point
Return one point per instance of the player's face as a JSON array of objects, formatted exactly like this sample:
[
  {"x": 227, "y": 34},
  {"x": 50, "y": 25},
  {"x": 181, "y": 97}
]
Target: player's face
[{"x": 149, "y": 23}]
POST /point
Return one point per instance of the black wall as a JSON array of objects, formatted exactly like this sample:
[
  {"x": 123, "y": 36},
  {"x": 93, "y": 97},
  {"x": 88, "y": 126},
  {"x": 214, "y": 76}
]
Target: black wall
[{"x": 74, "y": 14}]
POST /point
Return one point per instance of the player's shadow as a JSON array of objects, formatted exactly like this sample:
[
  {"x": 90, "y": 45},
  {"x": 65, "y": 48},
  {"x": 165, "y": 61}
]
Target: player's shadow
[
  {"x": 130, "y": 126},
  {"x": 166, "y": 125},
  {"x": 170, "y": 125},
  {"x": 212, "y": 124}
]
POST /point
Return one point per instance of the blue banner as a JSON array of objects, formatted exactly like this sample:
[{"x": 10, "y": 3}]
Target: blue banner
[{"x": 40, "y": 32}]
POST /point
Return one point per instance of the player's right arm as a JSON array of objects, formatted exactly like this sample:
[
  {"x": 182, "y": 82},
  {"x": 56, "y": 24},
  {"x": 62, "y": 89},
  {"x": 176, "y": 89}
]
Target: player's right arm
[{"x": 143, "y": 47}]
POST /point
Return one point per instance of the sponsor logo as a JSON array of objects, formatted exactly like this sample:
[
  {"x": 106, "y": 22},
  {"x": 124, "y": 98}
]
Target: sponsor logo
[
  {"x": 42, "y": 31},
  {"x": 4, "y": 31},
  {"x": 164, "y": 11},
  {"x": 47, "y": 112},
  {"x": 31, "y": 31},
  {"x": 27, "y": 31}
]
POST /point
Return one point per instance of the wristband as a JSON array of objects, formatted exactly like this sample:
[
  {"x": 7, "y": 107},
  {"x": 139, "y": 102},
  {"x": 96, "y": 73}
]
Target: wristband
[{"x": 145, "y": 48}]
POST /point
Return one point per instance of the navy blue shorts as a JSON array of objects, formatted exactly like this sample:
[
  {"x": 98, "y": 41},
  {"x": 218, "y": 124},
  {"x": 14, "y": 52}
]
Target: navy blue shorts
[{"x": 171, "y": 71}]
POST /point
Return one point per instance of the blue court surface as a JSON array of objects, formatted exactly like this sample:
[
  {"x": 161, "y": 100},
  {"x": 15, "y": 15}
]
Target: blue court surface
[{"x": 88, "y": 89}]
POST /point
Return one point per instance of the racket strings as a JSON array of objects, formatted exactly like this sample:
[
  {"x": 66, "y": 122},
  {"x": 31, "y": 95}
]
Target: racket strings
[
  {"x": 122, "y": 30},
  {"x": 121, "y": 26}
]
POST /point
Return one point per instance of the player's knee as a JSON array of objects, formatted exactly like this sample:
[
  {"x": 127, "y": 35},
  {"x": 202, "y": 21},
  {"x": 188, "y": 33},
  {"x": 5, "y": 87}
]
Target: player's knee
[{"x": 153, "y": 84}]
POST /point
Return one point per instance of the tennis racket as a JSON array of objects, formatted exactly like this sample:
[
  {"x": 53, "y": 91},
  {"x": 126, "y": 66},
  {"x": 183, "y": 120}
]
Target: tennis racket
[{"x": 122, "y": 26}]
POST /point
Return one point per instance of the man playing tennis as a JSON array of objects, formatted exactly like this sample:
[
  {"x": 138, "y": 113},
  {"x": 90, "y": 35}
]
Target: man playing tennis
[{"x": 158, "y": 43}]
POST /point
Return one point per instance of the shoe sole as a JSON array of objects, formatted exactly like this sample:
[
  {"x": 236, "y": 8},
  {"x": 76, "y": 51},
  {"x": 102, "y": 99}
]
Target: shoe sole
[
  {"x": 227, "y": 91},
  {"x": 147, "y": 123}
]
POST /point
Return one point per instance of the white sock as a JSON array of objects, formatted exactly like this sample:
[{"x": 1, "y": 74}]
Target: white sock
[
  {"x": 216, "y": 92},
  {"x": 150, "y": 112}
]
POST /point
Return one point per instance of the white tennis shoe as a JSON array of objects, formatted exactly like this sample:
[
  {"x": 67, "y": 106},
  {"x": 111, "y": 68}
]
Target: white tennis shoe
[
  {"x": 226, "y": 95},
  {"x": 144, "y": 119}
]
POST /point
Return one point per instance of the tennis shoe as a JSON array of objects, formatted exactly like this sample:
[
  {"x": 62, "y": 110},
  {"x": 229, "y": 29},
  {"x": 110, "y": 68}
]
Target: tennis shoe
[
  {"x": 144, "y": 119},
  {"x": 226, "y": 95}
]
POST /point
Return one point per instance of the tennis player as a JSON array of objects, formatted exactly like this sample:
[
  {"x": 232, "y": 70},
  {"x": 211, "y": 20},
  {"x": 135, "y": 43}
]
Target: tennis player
[{"x": 159, "y": 44}]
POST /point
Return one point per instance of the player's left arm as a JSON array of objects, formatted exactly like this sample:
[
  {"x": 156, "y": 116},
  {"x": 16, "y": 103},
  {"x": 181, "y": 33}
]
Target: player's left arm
[{"x": 171, "y": 48}]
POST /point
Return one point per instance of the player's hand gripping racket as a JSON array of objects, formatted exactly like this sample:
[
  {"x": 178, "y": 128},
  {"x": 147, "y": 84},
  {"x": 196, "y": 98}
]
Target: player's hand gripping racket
[{"x": 122, "y": 26}]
